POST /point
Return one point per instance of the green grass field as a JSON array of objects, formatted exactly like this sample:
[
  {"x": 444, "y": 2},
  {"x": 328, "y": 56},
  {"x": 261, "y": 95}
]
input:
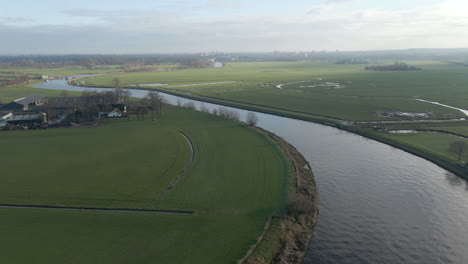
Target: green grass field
[
  {"x": 433, "y": 143},
  {"x": 124, "y": 163},
  {"x": 364, "y": 95}
]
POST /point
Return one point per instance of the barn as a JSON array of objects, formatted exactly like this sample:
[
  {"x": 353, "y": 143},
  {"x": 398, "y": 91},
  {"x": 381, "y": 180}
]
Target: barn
[{"x": 26, "y": 103}]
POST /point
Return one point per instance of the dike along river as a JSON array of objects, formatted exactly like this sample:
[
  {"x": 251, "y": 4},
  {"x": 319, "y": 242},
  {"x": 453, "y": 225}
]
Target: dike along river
[{"x": 378, "y": 204}]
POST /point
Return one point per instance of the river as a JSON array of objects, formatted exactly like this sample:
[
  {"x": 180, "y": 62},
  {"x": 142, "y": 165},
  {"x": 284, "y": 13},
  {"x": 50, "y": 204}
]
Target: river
[{"x": 377, "y": 204}]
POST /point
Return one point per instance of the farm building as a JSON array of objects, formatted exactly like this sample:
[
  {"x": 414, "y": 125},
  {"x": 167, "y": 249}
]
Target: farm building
[
  {"x": 115, "y": 113},
  {"x": 27, "y": 119},
  {"x": 26, "y": 103},
  {"x": 5, "y": 115}
]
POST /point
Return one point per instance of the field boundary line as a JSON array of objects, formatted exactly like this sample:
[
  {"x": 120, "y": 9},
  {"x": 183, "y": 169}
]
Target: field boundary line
[
  {"x": 192, "y": 154},
  {"x": 97, "y": 209}
]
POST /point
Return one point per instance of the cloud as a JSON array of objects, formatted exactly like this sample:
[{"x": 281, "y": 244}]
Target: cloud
[
  {"x": 222, "y": 4},
  {"x": 320, "y": 8},
  {"x": 441, "y": 25},
  {"x": 14, "y": 20},
  {"x": 338, "y": 1}
]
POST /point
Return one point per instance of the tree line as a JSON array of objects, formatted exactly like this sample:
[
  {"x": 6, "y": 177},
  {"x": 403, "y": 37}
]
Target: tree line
[{"x": 397, "y": 66}]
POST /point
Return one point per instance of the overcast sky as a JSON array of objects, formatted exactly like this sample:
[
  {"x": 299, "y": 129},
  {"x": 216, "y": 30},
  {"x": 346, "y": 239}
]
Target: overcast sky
[{"x": 161, "y": 26}]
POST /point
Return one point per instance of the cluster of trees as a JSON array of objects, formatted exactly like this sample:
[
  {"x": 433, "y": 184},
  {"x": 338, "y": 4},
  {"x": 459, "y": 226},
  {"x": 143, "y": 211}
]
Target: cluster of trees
[
  {"x": 189, "y": 60},
  {"x": 96, "y": 61},
  {"x": 397, "y": 66},
  {"x": 352, "y": 61},
  {"x": 87, "y": 106},
  {"x": 251, "y": 120},
  {"x": 138, "y": 68},
  {"x": 228, "y": 113},
  {"x": 154, "y": 102},
  {"x": 194, "y": 63},
  {"x": 189, "y": 105}
]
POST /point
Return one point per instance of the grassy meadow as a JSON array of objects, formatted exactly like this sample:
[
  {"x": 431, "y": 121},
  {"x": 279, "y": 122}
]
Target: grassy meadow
[
  {"x": 361, "y": 95},
  {"x": 237, "y": 180}
]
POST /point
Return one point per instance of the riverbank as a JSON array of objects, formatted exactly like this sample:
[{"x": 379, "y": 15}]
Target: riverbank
[
  {"x": 286, "y": 238},
  {"x": 455, "y": 168}
]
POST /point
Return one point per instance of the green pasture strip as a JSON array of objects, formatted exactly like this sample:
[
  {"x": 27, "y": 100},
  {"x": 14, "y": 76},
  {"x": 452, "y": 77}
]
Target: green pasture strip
[{"x": 432, "y": 142}]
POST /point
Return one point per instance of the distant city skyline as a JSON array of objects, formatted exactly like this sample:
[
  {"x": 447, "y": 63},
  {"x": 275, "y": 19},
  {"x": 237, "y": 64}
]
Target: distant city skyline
[{"x": 184, "y": 26}]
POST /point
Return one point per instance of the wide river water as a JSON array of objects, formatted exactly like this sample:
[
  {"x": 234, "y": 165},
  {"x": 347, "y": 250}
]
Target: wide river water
[{"x": 378, "y": 204}]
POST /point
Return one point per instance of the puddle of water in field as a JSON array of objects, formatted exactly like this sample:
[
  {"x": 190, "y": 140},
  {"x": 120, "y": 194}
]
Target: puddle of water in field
[
  {"x": 325, "y": 85},
  {"x": 403, "y": 114}
]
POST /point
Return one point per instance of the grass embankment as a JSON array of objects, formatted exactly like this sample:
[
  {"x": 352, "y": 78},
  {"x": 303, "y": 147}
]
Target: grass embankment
[
  {"x": 236, "y": 182},
  {"x": 432, "y": 147},
  {"x": 286, "y": 237},
  {"x": 430, "y": 140}
]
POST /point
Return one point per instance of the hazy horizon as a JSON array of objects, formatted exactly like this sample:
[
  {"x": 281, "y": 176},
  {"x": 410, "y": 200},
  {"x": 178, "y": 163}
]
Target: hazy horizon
[{"x": 184, "y": 26}]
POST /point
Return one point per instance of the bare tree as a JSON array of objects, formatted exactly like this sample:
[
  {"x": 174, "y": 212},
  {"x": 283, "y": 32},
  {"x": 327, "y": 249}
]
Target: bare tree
[
  {"x": 155, "y": 102},
  {"x": 125, "y": 96},
  {"x": 116, "y": 82},
  {"x": 189, "y": 105},
  {"x": 109, "y": 97},
  {"x": 204, "y": 108},
  {"x": 252, "y": 119},
  {"x": 228, "y": 113},
  {"x": 458, "y": 147}
]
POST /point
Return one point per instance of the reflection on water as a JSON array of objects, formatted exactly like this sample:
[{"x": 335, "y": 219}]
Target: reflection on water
[
  {"x": 454, "y": 180},
  {"x": 377, "y": 204}
]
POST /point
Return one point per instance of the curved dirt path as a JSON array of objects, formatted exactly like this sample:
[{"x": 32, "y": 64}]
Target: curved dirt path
[{"x": 192, "y": 154}]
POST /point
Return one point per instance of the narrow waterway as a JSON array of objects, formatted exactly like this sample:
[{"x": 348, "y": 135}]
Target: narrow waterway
[{"x": 378, "y": 204}]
